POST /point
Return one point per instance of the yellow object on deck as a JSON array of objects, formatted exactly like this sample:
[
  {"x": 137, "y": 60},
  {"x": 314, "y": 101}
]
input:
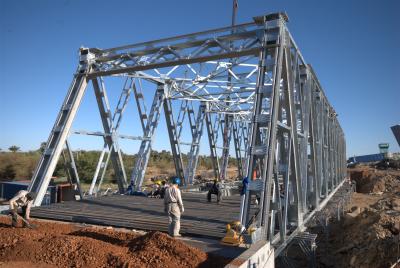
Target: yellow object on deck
[{"x": 233, "y": 235}]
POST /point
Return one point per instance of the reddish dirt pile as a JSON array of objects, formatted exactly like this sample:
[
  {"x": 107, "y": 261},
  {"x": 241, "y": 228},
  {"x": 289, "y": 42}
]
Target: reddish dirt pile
[
  {"x": 369, "y": 233},
  {"x": 65, "y": 245}
]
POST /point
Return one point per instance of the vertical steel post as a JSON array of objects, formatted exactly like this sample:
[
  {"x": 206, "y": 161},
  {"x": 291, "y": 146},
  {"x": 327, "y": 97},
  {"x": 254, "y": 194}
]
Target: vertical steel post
[{"x": 262, "y": 153}]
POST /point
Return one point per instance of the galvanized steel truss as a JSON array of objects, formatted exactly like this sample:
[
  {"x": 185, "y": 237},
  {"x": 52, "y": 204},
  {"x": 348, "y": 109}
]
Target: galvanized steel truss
[{"x": 248, "y": 83}]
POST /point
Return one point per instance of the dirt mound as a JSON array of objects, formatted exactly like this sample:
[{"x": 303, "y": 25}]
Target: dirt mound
[
  {"x": 172, "y": 252},
  {"x": 368, "y": 240},
  {"x": 369, "y": 180},
  {"x": 369, "y": 233},
  {"x": 64, "y": 245}
]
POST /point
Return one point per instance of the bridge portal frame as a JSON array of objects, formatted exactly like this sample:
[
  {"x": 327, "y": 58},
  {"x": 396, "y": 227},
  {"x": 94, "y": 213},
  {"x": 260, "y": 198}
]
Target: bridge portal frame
[{"x": 254, "y": 75}]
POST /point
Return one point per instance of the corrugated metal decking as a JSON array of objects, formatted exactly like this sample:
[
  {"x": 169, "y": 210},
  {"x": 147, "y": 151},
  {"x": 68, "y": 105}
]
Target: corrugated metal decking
[{"x": 199, "y": 219}]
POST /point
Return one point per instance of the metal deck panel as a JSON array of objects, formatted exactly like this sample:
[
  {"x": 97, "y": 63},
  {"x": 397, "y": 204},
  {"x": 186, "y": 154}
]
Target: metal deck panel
[{"x": 199, "y": 219}]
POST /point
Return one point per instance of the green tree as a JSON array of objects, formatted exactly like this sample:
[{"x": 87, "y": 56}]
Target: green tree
[
  {"x": 14, "y": 148},
  {"x": 42, "y": 147},
  {"x": 8, "y": 173}
]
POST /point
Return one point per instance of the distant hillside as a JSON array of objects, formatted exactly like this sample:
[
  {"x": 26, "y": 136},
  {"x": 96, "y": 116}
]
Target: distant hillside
[{"x": 21, "y": 165}]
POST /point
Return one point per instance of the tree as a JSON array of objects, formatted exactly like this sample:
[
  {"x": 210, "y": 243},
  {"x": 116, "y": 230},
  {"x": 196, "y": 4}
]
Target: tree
[
  {"x": 8, "y": 173},
  {"x": 14, "y": 148},
  {"x": 42, "y": 147}
]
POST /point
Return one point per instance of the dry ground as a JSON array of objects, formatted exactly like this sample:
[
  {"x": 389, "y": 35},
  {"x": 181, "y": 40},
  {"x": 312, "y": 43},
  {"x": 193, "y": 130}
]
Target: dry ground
[
  {"x": 368, "y": 235},
  {"x": 65, "y": 245}
]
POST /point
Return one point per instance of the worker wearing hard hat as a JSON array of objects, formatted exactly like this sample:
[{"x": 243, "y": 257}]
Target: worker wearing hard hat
[
  {"x": 173, "y": 206},
  {"x": 24, "y": 200}
]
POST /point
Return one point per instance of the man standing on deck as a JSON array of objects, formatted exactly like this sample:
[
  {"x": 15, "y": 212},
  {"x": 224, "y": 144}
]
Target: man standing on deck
[{"x": 174, "y": 207}]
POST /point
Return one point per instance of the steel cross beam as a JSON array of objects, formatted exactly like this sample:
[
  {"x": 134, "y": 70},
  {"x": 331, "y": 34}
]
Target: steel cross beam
[{"x": 186, "y": 49}]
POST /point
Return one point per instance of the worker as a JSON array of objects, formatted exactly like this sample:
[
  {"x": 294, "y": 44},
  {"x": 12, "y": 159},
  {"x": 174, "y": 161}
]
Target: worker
[
  {"x": 173, "y": 206},
  {"x": 245, "y": 185},
  {"x": 24, "y": 200},
  {"x": 156, "y": 190},
  {"x": 215, "y": 189},
  {"x": 164, "y": 187}
]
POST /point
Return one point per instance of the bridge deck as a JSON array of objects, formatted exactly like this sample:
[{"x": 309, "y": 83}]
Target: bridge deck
[{"x": 199, "y": 219}]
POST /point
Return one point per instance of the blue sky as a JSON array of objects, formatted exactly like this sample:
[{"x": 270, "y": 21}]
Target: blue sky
[{"x": 352, "y": 45}]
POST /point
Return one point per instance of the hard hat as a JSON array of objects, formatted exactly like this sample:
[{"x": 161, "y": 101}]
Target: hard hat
[
  {"x": 176, "y": 180},
  {"x": 158, "y": 182}
]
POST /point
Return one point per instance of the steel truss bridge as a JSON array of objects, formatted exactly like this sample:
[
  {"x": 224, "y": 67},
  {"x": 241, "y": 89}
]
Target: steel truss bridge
[{"x": 247, "y": 83}]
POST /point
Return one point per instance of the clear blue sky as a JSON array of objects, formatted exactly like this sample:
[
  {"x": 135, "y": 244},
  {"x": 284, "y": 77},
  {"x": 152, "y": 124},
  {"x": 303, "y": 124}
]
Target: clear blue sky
[{"x": 352, "y": 45}]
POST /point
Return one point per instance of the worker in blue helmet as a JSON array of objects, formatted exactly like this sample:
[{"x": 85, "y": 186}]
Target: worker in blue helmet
[{"x": 173, "y": 206}]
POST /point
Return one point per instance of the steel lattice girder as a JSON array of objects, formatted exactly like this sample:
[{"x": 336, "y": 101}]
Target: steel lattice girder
[
  {"x": 255, "y": 77},
  {"x": 284, "y": 172}
]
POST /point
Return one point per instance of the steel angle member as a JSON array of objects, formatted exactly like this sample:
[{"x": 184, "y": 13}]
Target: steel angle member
[
  {"x": 301, "y": 135},
  {"x": 283, "y": 126},
  {"x": 282, "y": 167},
  {"x": 67, "y": 107},
  {"x": 49, "y": 151},
  {"x": 114, "y": 136},
  {"x": 262, "y": 119},
  {"x": 259, "y": 150},
  {"x": 256, "y": 185},
  {"x": 274, "y": 206},
  {"x": 85, "y": 56},
  {"x": 318, "y": 95},
  {"x": 266, "y": 90}
]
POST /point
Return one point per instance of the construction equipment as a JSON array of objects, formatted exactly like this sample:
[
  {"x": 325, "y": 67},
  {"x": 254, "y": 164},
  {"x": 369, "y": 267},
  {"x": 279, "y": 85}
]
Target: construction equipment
[
  {"x": 233, "y": 235},
  {"x": 235, "y": 231}
]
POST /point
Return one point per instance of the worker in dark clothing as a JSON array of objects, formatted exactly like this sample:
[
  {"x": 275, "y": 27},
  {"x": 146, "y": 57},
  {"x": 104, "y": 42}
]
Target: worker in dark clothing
[
  {"x": 215, "y": 189},
  {"x": 164, "y": 187},
  {"x": 245, "y": 185}
]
